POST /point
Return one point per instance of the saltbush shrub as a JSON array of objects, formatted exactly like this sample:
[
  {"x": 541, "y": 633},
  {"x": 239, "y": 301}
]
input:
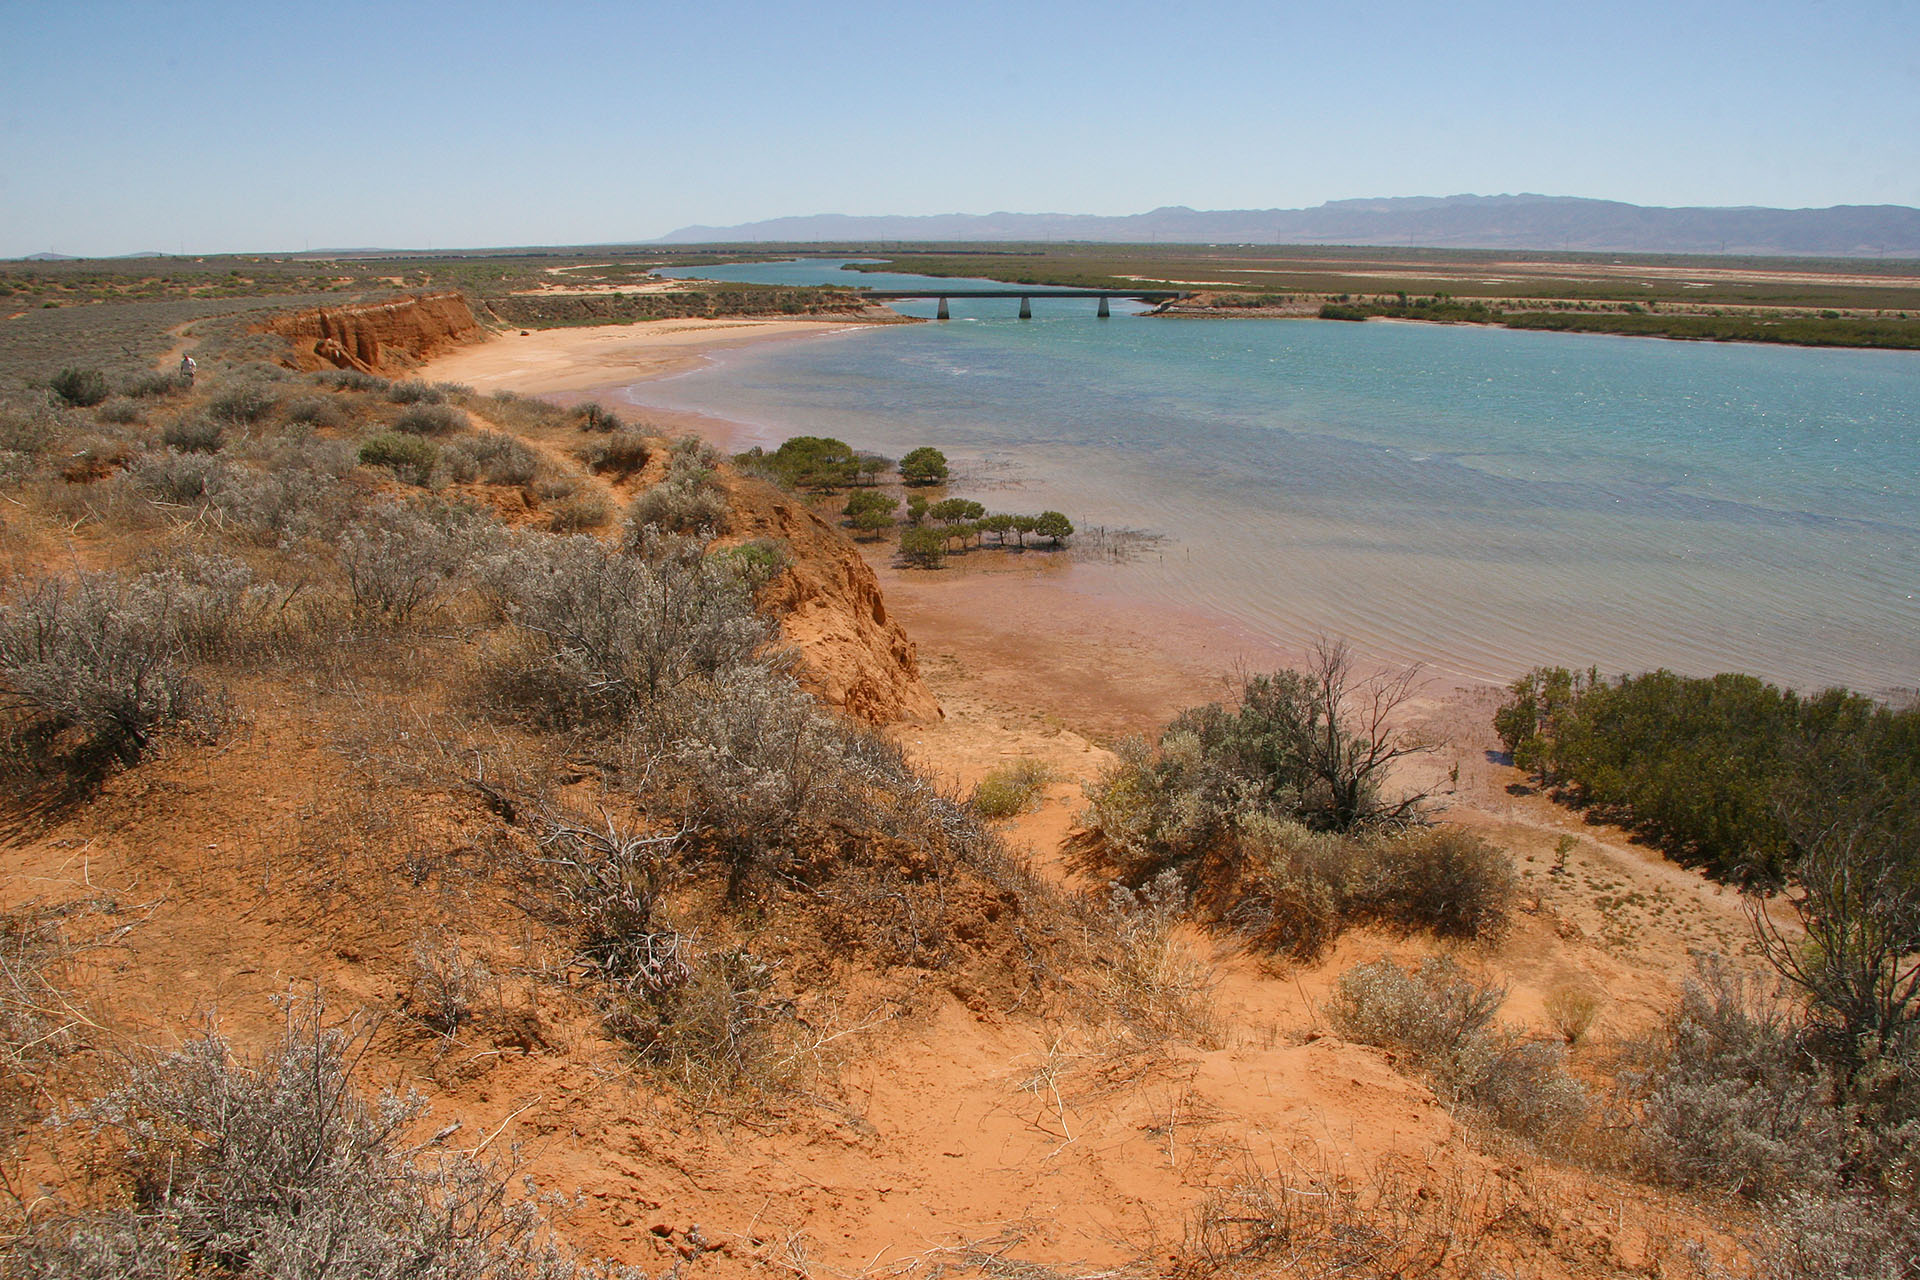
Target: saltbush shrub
[
  {"x": 1445, "y": 1023},
  {"x": 101, "y": 655},
  {"x": 277, "y": 1167},
  {"x": 498, "y": 458},
  {"x": 322, "y": 412},
  {"x": 432, "y": 420},
  {"x": 242, "y": 404},
  {"x": 414, "y": 391},
  {"x": 120, "y": 411},
  {"x": 194, "y": 434}
]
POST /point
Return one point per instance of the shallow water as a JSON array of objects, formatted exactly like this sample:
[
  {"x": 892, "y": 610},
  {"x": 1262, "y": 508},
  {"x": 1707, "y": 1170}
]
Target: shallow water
[{"x": 1481, "y": 500}]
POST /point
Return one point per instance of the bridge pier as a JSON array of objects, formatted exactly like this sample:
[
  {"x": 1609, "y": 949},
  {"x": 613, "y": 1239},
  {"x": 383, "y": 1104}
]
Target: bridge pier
[
  {"x": 1026, "y": 308},
  {"x": 942, "y": 314},
  {"x": 1103, "y": 313}
]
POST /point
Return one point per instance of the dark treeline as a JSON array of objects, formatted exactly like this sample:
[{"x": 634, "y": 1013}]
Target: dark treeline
[{"x": 1728, "y": 770}]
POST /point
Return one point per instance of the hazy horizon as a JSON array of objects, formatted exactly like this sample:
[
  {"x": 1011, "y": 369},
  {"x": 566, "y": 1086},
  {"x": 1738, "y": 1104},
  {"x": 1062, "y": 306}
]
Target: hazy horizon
[{"x": 203, "y": 128}]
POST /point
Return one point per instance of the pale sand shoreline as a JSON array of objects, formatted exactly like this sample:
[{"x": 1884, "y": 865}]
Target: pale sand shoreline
[{"x": 612, "y": 356}]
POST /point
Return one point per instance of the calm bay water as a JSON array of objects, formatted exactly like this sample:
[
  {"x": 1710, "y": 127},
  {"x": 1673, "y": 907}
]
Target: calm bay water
[{"x": 1481, "y": 500}]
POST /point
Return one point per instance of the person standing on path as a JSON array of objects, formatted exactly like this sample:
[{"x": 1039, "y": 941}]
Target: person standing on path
[{"x": 187, "y": 369}]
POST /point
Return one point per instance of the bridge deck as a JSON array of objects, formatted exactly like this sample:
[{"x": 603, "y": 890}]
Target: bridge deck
[{"x": 1145, "y": 295}]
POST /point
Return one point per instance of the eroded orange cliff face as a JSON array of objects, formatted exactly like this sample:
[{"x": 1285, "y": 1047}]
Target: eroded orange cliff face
[
  {"x": 379, "y": 337},
  {"x": 853, "y": 654}
]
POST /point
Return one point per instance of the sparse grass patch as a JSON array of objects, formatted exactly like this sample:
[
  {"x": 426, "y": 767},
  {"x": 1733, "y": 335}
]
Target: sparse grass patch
[{"x": 1011, "y": 789}]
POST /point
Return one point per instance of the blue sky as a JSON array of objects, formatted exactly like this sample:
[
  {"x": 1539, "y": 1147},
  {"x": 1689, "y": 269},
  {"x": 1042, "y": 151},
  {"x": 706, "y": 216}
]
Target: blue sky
[{"x": 202, "y": 127}]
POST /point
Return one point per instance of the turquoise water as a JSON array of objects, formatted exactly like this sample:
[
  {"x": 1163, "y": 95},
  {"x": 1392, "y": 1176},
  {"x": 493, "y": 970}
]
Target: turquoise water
[{"x": 1481, "y": 500}]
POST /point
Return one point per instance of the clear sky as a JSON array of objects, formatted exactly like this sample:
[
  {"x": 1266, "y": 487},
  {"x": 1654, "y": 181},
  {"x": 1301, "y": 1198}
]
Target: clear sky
[{"x": 210, "y": 127}]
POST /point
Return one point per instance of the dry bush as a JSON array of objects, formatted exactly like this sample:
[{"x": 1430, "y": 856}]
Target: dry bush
[
  {"x": 1444, "y": 1023},
  {"x": 99, "y": 655},
  {"x": 580, "y": 512},
  {"x": 242, "y": 404},
  {"x": 1733, "y": 1101},
  {"x": 321, "y": 412},
  {"x": 524, "y": 415},
  {"x": 432, "y": 420},
  {"x": 599, "y": 635},
  {"x": 411, "y": 458},
  {"x": 1157, "y": 987},
  {"x": 445, "y": 981},
  {"x": 148, "y": 386},
  {"x": 1317, "y": 1224},
  {"x": 38, "y": 1022},
  {"x": 415, "y": 391},
  {"x": 618, "y": 453},
  {"x": 497, "y": 458},
  {"x": 1571, "y": 1010},
  {"x": 181, "y": 479},
  {"x": 294, "y": 493},
  {"x": 1448, "y": 882},
  {"x": 121, "y": 411},
  {"x": 594, "y": 416},
  {"x": 1815, "y": 1237},
  {"x": 217, "y": 1164},
  {"x": 707, "y": 1017},
  {"x": 1011, "y": 788},
  {"x": 1294, "y": 890},
  {"x": 194, "y": 435},
  {"x": 351, "y": 380},
  {"x": 399, "y": 559},
  {"x": 688, "y": 501}
]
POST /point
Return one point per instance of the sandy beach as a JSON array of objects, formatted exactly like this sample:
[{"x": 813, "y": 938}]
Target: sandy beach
[{"x": 605, "y": 358}]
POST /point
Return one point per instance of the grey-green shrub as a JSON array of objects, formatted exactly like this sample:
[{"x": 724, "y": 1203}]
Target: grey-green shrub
[
  {"x": 278, "y": 1167},
  {"x": 183, "y": 479},
  {"x": 1444, "y": 1022},
  {"x": 618, "y": 452},
  {"x": 432, "y": 420},
  {"x": 323, "y": 412},
  {"x": 194, "y": 434},
  {"x": 242, "y": 404},
  {"x": 1011, "y": 789},
  {"x": 1734, "y": 1102},
  {"x": 398, "y": 559},
  {"x": 411, "y": 458},
  {"x": 414, "y": 391},
  {"x": 120, "y": 411},
  {"x": 100, "y": 654},
  {"x": 604, "y": 634},
  {"x": 499, "y": 458}
]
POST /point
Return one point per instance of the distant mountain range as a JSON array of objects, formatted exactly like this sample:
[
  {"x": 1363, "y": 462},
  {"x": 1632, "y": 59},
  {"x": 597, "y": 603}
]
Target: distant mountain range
[{"x": 1565, "y": 223}]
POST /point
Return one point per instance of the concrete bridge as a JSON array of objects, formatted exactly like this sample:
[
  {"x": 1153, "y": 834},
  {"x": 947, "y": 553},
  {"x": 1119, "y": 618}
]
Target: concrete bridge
[{"x": 1026, "y": 296}]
